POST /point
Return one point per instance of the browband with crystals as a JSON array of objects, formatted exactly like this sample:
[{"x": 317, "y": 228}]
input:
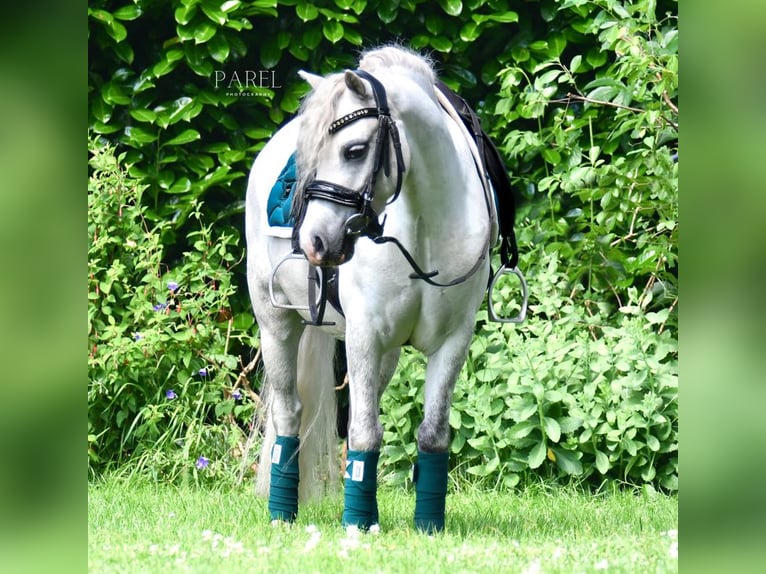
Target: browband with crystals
[{"x": 353, "y": 116}]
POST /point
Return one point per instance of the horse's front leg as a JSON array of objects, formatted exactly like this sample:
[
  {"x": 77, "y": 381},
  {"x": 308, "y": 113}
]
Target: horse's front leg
[
  {"x": 279, "y": 348},
  {"x": 369, "y": 372},
  {"x": 430, "y": 473}
]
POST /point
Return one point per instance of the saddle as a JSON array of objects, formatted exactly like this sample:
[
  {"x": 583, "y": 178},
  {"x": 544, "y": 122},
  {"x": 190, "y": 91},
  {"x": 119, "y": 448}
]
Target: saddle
[{"x": 494, "y": 167}]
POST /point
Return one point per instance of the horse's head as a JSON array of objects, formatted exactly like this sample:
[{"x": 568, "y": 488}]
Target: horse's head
[{"x": 350, "y": 165}]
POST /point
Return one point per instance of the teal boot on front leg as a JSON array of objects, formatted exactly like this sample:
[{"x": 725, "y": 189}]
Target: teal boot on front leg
[
  {"x": 283, "y": 489},
  {"x": 430, "y": 477},
  {"x": 360, "y": 503}
]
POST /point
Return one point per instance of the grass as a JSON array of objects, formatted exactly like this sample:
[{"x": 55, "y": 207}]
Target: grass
[{"x": 143, "y": 527}]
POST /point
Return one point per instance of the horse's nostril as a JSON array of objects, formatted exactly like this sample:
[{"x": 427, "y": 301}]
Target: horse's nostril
[{"x": 317, "y": 244}]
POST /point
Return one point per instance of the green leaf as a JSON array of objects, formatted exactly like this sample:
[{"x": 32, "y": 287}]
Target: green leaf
[
  {"x": 197, "y": 58},
  {"x": 180, "y": 109},
  {"x": 602, "y": 462},
  {"x": 212, "y": 11},
  {"x": 452, "y": 7},
  {"x": 140, "y": 135},
  {"x": 163, "y": 67},
  {"x": 100, "y": 110},
  {"x": 521, "y": 430},
  {"x": 352, "y": 36},
  {"x": 481, "y": 443},
  {"x": 358, "y": 6},
  {"x": 184, "y": 14},
  {"x": 537, "y": 455},
  {"x": 455, "y": 419},
  {"x": 106, "y": 128},
  {"x": 181, "y": 185},
  {"x": 567, "y": 461},
  {"x": 128, "y": 12},
  {"x": 230, "y": 5},
  {"x": 469, "y": 32},
  {"x": 504, "y": 17},
  {"x": 270, "y": 53},
  {"x": 552, "y": 428},
  {"x": 203, "y": 31},
  {"x": 258, "y": 133},
  {"x": 333, "y": 31},
  {"x": 143, "y": 115},
  {"x": 551, "y": 155},
  {"x": 116, "y": 30},
  {"x": 186, "y": 136},
  {"x": 441, "y": 44},
  {"x": 523, "y": 412},
  {"x": 312, "y": 35},
  {"x": 387, "y": 12},
  {"x": 306, "y": 11},
  {"x": 114, "y": 94},
  {"x": 575, "y": 64},
  {"x": 218, "y": 47}
]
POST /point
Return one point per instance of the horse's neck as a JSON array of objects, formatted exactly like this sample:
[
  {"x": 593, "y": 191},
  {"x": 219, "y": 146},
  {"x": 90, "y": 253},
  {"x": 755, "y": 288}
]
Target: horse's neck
[{"x": 444, "y": 190}]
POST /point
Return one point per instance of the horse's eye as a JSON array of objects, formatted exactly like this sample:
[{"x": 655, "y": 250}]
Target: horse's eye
[{"x": 355, "y": 151}]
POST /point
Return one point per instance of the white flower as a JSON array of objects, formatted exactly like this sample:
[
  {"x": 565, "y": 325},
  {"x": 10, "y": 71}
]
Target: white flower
[
  {"x": 532, "y": 567},
  {"x": 602, "y": 564}
]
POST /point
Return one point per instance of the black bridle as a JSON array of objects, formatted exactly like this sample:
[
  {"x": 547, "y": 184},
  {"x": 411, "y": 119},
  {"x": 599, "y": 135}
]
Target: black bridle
[{"x": 365, "y": 221}]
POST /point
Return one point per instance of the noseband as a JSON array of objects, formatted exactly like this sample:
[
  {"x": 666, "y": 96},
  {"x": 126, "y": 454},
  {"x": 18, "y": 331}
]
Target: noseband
[{"x": 365, "y": 221}]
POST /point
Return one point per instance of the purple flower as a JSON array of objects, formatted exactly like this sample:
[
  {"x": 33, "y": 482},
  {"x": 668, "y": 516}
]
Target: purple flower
[
  {"x": 172, "y": 285},
  {"x": 203, "y": 372},
  {"x": 170, "y": 394},
  {"x": 236, "y": 395},
  {"x": 137, "y": 336},
  {"x": 202, "y": 462},
  {"x": 160, "y": 306}
]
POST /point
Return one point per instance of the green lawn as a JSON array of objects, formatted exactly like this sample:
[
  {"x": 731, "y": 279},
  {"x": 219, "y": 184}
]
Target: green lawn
[{"x": 158, "y": 528}]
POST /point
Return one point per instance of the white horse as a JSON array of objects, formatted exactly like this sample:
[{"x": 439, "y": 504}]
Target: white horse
[{"x": 389, "y": 192}]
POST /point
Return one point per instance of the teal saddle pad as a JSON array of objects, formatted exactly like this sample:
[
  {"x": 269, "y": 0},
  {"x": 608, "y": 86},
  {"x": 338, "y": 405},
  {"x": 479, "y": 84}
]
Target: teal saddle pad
[{"x": 279, "y": 204}]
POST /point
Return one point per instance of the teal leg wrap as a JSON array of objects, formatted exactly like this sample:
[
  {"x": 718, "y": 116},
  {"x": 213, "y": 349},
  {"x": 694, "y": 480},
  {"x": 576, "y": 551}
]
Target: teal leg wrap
[
  {"x": 283, "y": 490},
  {"x": 430, "y": 477},
  {"x": 360, "y": 505}
]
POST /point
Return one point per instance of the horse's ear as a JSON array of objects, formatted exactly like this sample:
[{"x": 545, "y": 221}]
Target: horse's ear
[
  {"x": 312, "y": 79},
  {"x": 355, "y": 83}
]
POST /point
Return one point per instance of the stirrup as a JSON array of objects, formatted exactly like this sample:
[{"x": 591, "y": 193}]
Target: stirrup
[
  {"x": 316, "y": 307},
  {"x": 524, "y": 294}
]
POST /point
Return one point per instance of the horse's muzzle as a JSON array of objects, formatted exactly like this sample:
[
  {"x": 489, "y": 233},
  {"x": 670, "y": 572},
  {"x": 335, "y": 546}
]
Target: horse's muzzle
[{"x": 322, "y": 251}]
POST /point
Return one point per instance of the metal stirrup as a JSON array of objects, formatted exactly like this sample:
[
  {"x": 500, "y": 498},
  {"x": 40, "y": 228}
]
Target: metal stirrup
[{"x": 524, "y": 294}]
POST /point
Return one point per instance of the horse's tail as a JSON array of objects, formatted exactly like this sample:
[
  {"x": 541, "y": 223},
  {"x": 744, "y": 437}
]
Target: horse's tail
[{"x": 318, "y": 451}]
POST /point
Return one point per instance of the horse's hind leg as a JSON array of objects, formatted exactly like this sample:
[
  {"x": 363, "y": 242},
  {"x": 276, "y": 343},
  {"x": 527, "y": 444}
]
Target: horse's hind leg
[{"x": 430, "y": 474}]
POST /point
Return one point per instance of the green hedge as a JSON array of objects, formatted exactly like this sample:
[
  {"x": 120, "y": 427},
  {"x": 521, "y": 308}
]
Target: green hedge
[{"x": 582, "y": 99}]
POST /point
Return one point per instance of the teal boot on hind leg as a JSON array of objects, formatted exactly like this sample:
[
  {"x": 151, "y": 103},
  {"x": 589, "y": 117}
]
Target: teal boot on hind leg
[
  {"x": 430, "y": 477},
  {"x": 283, "y": 488}
]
